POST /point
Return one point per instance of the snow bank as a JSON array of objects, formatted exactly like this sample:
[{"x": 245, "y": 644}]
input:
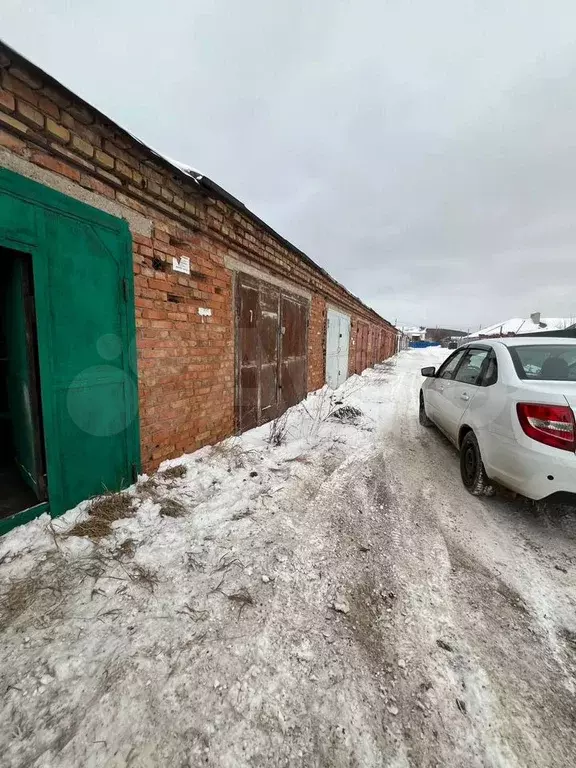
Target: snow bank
[{"x": 111, "y": 647}]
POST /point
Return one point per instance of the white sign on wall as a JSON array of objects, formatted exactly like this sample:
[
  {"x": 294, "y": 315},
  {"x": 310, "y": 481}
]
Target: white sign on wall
[{"x": 182, "y": 265}]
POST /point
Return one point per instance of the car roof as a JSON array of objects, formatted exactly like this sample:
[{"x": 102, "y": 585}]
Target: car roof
[{"x": 523, "y": 341}]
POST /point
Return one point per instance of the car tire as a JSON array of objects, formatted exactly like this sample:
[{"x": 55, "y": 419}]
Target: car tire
[
  {"x": 472, "y": 471},
  {"x": 422, "y": 415}
]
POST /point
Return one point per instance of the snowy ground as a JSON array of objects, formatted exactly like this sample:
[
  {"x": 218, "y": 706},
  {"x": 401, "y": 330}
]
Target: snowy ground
[{"x": 338, "y": 600}]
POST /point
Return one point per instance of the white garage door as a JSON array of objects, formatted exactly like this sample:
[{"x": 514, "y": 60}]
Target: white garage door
[{"x": 337, "y": 346}]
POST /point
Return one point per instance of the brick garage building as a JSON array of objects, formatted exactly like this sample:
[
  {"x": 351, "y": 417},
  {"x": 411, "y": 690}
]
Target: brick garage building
[{"x": 228, "y": 321}]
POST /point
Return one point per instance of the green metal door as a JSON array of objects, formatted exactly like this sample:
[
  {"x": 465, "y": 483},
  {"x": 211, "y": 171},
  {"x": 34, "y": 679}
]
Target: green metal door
[
  {"x": 21, "y": 379},
  {"x": 83, "y": 281},
  {"x": 92, "y": 387}
]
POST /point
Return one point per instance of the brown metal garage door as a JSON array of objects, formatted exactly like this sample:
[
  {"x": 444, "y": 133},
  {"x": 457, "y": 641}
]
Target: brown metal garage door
[
  {"x": 271, "y": 332},
  {"x": 293, "y": 351}
]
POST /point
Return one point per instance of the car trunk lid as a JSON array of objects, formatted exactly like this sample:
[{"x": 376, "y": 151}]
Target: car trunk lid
[{"x": 552, "y": 392}]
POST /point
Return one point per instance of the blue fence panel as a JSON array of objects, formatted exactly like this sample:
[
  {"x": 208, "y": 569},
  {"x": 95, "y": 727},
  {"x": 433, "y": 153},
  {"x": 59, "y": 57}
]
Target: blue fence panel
[{"x": 423, "y": 344}]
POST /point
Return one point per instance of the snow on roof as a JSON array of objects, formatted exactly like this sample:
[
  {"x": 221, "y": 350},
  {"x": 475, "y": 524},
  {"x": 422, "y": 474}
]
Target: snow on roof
[
  {"x": 522, "y": 325},
  {"x": 187, "y": 169}
]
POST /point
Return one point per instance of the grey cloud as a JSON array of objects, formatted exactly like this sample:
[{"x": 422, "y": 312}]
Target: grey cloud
[{"x": 424, "y": 153}]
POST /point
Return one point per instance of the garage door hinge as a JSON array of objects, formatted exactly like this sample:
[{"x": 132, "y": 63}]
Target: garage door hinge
[
  {"x": 134, "y": 473},
  {"x": 125, "y": 289}
]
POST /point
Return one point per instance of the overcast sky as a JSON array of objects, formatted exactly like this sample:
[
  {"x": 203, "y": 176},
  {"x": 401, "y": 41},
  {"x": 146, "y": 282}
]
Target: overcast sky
[{"x": 423, "y": 152}]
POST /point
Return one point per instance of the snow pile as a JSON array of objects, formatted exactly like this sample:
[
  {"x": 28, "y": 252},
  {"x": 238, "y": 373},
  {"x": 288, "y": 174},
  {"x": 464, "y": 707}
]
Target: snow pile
[
  {"x": 321, "y": 591},
  {"x": 146, "y": 646}
]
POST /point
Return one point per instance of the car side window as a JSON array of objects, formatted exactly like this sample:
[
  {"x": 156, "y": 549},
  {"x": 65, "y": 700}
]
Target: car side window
[
  {"x": 446, "y": 370},
  {"x": 490, "y": 373},
  {"x": 471, "y": 368}
]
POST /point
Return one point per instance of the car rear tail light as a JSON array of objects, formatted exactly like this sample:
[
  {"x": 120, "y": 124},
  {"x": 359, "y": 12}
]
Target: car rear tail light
[{"x": 549, "y": 424}]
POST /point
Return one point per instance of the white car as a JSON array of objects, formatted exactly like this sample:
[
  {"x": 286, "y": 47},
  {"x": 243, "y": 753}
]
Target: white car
[{"x": 508, "y": 405}]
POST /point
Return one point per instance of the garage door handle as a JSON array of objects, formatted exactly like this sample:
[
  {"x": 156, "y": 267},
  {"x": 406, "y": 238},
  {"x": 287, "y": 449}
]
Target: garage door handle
[{"x": 464, "y": 396}]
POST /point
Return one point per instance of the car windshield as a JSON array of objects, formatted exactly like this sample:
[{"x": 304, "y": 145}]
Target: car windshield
[{"x": 545, "y": 362}]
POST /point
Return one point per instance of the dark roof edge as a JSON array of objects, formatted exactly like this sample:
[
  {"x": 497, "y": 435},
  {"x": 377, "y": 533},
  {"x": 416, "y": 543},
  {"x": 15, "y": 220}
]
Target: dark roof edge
[
  {"x": 203, "y": 181},
  {"x": 217, "y": 190}
]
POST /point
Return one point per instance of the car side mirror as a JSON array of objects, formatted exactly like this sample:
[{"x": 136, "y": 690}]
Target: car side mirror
[{"x": 430, "y": 371}]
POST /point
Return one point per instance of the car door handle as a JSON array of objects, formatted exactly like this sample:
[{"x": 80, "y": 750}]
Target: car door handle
[{"x": 464, "y": 396}]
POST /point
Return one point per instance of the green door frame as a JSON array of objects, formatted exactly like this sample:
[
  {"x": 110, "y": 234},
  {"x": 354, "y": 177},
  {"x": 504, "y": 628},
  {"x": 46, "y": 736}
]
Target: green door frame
[{"x": 27, "y": 234}]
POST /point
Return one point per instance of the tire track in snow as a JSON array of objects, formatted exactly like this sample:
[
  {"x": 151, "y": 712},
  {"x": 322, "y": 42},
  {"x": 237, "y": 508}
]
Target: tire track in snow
[{"x": 508, "y": 700}]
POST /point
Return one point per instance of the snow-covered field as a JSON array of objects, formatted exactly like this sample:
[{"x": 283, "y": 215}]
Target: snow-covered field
[{"x": 334, "y": 600}]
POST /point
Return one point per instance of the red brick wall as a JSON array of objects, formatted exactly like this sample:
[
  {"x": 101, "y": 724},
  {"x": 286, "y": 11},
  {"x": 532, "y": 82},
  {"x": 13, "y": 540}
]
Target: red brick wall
[
  {"x": 316, "y": 343},
  {"x": 186, "y": 361}
]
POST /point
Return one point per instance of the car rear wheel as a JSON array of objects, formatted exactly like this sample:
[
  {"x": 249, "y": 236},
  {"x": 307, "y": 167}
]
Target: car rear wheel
[
  {"x": 472, "y": 469},
  {"x": 422, "y": 416}
]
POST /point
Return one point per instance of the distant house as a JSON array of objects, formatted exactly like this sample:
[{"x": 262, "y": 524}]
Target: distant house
[
  {"x": 443, "y": 335},
  {"x": 414, "y": 332},
  {"x": 521, "y": 326},
  {"x": 402, "y": 341}
]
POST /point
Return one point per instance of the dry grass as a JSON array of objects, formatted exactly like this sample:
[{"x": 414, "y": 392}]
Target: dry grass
[
  {"x": 19, "y": 595},
  {"x": 50, "y": 588},
  {"x": 172, "y": 508},
  {"x": 151, "y": 489},
  {"x": 173, "y": 473},
  {"x": 141, "y": 574},
  {"x": 278, "y": 431},
  {"x": 48, "y": 582},
  {"x": 194, "y": 613},
  {"x": 52, "y": 584},
  {"x": 148, "y": 487},
  {"x": 102, "y": 512},
  {"x": 243, "y": 597},
  {"x": 125, "y": 550},
  {"x": 231, "y": 452},
  {"x": 227, "y": 561}
]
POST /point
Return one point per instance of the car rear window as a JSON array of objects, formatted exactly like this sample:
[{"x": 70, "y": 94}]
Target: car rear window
[{"x": 545, "y": 362}]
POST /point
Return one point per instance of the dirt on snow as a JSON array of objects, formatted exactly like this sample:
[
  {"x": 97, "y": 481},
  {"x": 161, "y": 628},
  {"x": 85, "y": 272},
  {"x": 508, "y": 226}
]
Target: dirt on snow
[{"x": 320, "y": 593}]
